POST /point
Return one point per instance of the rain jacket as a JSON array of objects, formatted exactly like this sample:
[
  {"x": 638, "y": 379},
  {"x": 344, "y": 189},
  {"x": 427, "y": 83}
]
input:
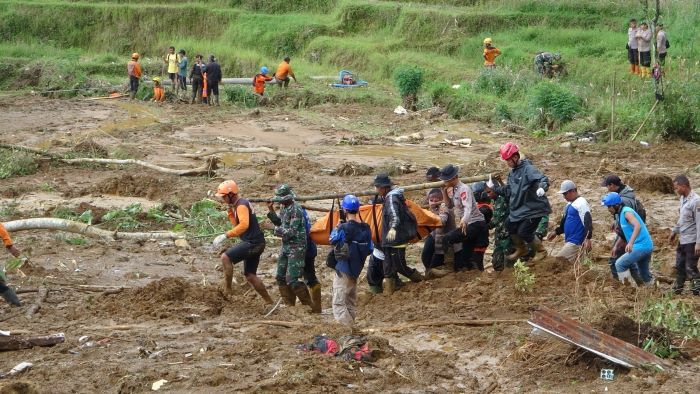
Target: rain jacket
[
  {"x": 521, "y": 190},
  {"x": 396, "y": 215},
  {"x": 6, "y": 240}
]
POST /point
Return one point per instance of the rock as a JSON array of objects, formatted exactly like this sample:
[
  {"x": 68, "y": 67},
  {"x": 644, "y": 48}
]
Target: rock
[
  {"x": 182, "y": 244},
  {"x": 566, "y": 145}
]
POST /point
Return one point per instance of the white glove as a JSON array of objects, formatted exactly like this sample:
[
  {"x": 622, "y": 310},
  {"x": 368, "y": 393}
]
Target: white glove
[
  {"x": 540, "y": 192},
  {"x": 391, "y": 235},
  {"x": 489, "y": 183},
  {"x": 218, "y": 241}
]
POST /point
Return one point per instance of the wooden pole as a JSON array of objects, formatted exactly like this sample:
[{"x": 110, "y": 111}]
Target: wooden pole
[
  {"x": 612, "y": 111},
  {"x": 333, "y": 196},
  {"x": 14, "y": 342},
  {"x": 645, "y": 120}
]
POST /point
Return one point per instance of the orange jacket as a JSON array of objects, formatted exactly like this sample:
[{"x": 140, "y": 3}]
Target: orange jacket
[
  {"x": 134, "y": 69},
  {"x": 490, "y": 55},
  {"x": 283, "y": 70},
  {"x": 205, "y": 88},
  {"x": 5, "y": 236},
  {"x": 158, "y": 93},
  {"x": 259, "y": 83},
  {"x": 241, "y": 225}
]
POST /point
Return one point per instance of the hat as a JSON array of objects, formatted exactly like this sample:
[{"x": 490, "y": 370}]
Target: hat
[
  {"x": 448, "y": 172},
  {"x": 566, "y": 186},
  {"x": 283, "y": 192},
  {"x": 432, "y": 171},
  {"x": 611, "y": 178},
  {"x": 382, "y": 180}
]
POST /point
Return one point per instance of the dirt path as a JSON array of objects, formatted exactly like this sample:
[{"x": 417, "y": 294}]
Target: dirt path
[{"x": 171, "y": 322}]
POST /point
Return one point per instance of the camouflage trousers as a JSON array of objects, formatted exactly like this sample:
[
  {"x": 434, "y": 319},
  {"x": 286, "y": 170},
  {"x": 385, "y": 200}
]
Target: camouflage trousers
[
  {"x": 501, "y": 249},
  {"x": 290, "y": 265}
]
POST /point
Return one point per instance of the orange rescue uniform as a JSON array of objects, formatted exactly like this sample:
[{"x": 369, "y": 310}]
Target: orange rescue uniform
[
  {"x": 134, "y": 68},
  {"x": 283, "y": 70},
  {"x": 259, "y": 83},
  {"x": 241, "y": 225},
  {"x": 490, "y": 55},
  {"x": 6, "y": 240},
  {"x": 158, "y": 93}
]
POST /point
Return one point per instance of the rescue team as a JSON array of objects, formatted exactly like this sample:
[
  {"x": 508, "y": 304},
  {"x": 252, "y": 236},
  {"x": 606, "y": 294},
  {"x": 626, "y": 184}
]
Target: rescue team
[
  {"x": 204, "y": 77},
  {"x": 517, "y": 211}
]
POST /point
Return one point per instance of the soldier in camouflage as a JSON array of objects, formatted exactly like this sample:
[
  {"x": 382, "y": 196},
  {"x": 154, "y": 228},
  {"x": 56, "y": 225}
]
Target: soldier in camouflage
[
  {"x": 502, "y": 244},
  {"x": 291, "y": 228}
]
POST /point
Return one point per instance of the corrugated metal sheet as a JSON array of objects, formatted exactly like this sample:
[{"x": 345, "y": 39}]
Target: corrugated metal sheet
[{"x": 586, "y": 337}]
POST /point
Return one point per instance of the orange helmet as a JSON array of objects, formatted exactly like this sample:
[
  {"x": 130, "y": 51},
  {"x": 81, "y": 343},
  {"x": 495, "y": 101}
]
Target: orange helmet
[
  {"x": 227, "y": 187},
  {"x": 135, "y": 55}
]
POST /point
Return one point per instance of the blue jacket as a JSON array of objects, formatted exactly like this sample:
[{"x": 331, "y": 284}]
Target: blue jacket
[{"x": 358, "y": 237}]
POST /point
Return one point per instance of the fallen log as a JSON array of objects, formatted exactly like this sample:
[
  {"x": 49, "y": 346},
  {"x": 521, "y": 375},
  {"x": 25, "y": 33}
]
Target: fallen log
[
  {"x": 207, "y": 169},
  {"x": 41, "y": 296},
  {"x": 13, "y": 342},
  {"x": 262, "y": 149},
  {"x": 440, "y": 323},
  {"x": 333, "y": 196},
  {"x": 83, "y": 229},
  {"x": 286, "y": 324}
]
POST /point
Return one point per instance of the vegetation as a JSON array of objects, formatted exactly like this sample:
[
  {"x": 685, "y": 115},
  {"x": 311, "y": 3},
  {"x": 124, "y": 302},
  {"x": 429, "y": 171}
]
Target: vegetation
[
  {"x": 673, "y": 319},
  {"x": 14, "y": 163},
  {"x": 524, "y": 279},
  {"x": 409, "y": 80}
]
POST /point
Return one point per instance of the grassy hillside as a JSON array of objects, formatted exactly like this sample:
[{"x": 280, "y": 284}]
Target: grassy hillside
[{"x": 82, "y": 43}]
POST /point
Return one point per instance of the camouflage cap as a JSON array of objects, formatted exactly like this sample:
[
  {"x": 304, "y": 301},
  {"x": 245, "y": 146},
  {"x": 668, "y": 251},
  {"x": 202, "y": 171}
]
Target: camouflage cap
[{"x": 283, "y": 192}]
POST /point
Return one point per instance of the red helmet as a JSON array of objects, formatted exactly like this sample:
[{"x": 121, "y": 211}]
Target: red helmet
[{"x": 508, "y": 150}]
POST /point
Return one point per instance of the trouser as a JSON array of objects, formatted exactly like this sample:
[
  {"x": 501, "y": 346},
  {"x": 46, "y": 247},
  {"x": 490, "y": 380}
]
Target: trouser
[
  {"x": 633, "y": 56},
  {"x": 686, "y": 264},
  {"x": 133, "y": 84},
  {"x": 618, "y": 249},
  {"x": 477, "y": 259},
  {"x": 477, "y": 236},
  {"x": 635, "y": 259},
  {"x": 428, "y": 251},
  {"x": 662, "y": 58},
  {"x": 290, "y": 265},
  {"x": 375, "y": 271},
  {"x": 344, "y": 298},
  {"x": 196, "y": 86},
  {"x": 182, "y": 80},
  {"x": 283, "y": 82},
  {"x": 501, "y": 248},
  {"x": 212, "y": 88},
  {"x": 645, "y": 58},
  {"x": 310, "y": 266},
  {"x": 395, "y": 262},
  {"x": 525, "y": 228},
  {"x": 568, "y": 252}
]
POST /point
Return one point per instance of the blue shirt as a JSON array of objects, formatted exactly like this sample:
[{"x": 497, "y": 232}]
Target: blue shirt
[
  {"x": 643, "y": 243},
  {"x": 574, "y": 229},
  {"x": 183, "y": 66},
  {"x": 358, "y": 237}
]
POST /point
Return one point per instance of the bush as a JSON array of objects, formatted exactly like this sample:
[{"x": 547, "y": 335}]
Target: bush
[
  {"x": 14, "y": 163},
  {"x": 240, "y": 95},
  {"x": 555, "y": 101},
  {"x": 408, "y": 79},
  {"x": 494, "y": 81}
]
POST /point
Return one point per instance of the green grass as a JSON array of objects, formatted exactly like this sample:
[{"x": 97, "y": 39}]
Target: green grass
[{"x": 51, "y": 45}]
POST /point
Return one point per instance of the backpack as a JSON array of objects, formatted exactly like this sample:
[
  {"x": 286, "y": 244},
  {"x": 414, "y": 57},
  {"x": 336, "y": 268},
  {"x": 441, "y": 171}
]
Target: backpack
[
  {"x": 641, "y": 211},
  {"x": 668, "y": 43}
]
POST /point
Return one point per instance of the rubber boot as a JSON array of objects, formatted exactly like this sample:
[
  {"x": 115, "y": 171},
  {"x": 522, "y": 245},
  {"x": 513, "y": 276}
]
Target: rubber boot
[
  {"x": 316, "y": 298},
  {"x": 636, "y": 69},
  {"x": 287, "y": 294},
  {"x": 11, "y": 298},
  {"x": 132, "y": 95},
  {"x": 216, "y": 100},
  {"x": 374, "y": 289},
  {"x": 613, "y": 270},
  {"x": 538, "y": 248},
  {"x": 416, "y": 277},
  {"x": 626, "y": 277},
  {"x": 389, "y": 286},
  {"x": 302, "y": 292},
  {"x": 678, "y": 286},
  {"x": 633, "y": 69},
  {"x": 520, "y": 248},
  {"x": 695, "y": 287}
]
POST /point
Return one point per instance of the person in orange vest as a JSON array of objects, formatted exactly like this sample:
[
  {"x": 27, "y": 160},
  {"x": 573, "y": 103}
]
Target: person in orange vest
[
  {"x": 158, "y": 91},
  {"x": 205, "y": 93},
  {"x": 259, "y": 81},
  {"x": 490, "y": 53},
  {"x": 7, "y": 293},
  {"x": 134, "y": 70},
  {"x": 284, "y": 71}
]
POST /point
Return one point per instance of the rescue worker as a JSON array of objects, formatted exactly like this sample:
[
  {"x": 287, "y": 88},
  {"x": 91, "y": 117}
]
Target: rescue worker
[
  {"x": 353, "y": 243},
  {"x": 471, "y": 230},
  {"x": 644, "y": 47},
  {"x": 182, "y": 70},
  {"x": 158, "y": 91},
  {"x": 576, "y": 224},
  {"x": 259, "y": 82},
  {"x": 433, "y": 254},
  {"x": 485, "y": 205},
  {"x": 290, "y": 264},
  {"x": 375, "y": 265},
  {"x": 528, "y": 203},
  {"x": 7, "y": 293},
  {"x": 197, "y": 77},
  {"x": 687, "y": 229},
  {"x": 544, "y": 61},
  {"x": 639, "y": 246},
  {"x": 205, "y": 89},
  {"x": 490, "y": 53},
  {"x": 172, "y": 60},
  {"x": 399, "y": 226},
  {"x": 431, "y": 175},
  {"x": 134, "y": 70},
  {"x": 284, "y": 71},
  {"x": 662, "y": 44},
  {"x": 213, "y": 79},
  {"x": 501, "y": 242},
  {"x": 632, "y": 48},
  {"x": 252, "y": 240}
]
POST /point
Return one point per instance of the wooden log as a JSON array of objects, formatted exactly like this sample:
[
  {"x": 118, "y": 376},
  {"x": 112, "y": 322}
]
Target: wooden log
[
  {"x": 207, "y": 169},
  {"x": 14, "y": 342},
  {"x": 83, "y": 229},
  {"x": 262, "y": 149},
  {"x": 43, "y": 293},
  {"x": 333, "y": 196},
  {"x": 440, "y": 323}
]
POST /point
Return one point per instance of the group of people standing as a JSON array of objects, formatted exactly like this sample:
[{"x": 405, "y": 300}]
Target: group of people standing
[{"x": 639, "y": 45}]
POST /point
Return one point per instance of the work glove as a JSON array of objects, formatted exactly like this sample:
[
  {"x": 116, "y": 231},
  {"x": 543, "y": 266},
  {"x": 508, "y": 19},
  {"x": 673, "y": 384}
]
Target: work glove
[
  {"x": 489, "y": 183},
  {"x": 218, "y": 241},
  {"x": 391, "y": 235},
  {"x": 540, "y": 192}
]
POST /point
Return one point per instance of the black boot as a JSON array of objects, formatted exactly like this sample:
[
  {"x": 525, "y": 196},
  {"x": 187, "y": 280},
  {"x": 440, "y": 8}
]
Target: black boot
[
  {"x": 695, "y": 287},
  {"x": 11, "y": 298},
  {"x": 613, "y": 270},
  {"x": 678, "y": 286}
]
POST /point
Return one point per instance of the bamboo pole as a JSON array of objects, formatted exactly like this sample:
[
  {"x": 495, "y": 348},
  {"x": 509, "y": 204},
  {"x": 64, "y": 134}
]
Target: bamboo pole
[
  {"x": 645, "y": 120},
  {"x": 420, "y": 186},
  {"x": 612, "y": 111}
]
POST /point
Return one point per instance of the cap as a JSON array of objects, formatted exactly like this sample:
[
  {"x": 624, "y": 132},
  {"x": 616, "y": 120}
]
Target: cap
[
  {"x": 382, "y": 180},
  {"x": 566, "y": 186},
  {"x": 611, "y": 179},
  {"x": 448, "y": 172}
]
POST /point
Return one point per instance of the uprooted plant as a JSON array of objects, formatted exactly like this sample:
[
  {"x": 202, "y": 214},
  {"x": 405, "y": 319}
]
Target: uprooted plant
[{"x": 676, "y": 322}]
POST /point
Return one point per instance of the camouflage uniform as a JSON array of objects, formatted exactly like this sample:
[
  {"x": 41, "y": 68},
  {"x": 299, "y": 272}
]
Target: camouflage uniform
[
  {"x": 541, "y": 231},
  {"x": 502, "y": 243},
  {"x": 292, "y": 229}
]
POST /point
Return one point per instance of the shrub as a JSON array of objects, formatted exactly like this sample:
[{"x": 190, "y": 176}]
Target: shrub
[
  {"x": 241, "y": 95},
  {"x": 524, "y": 279},
  {"x": 409, "y": 80},
  {"x": 494, "y": 81},
  {"x": 556, "y": 101},
  {"x": 14, "y": 163}
]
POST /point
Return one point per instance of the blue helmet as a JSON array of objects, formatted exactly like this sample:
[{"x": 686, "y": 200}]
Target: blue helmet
[
  {"x": 350, "y": 203},
  {"x": 263, "y": 70},
  {"x": 611, "y": 199}
]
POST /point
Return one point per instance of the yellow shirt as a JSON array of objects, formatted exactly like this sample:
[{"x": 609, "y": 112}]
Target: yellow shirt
[{"x": 173, "y": 60}]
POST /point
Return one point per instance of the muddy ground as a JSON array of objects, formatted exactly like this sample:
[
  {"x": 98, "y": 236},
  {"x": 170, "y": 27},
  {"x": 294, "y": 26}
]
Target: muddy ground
[{"x": 171, "y": 322}]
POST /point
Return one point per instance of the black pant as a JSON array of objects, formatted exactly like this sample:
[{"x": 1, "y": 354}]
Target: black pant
[
  {"x": 133, "y": 84},
  {"x": 477, "y": 235},
  {"x": 686, "y": 263},
  {"x": 633, "y": 56},
  {"x": 395, "y": 262},
  {"x": 525, "y": 229},
  {"x": 428, "y": 251},
  {"x": 212, "y": 88},
  {"x": 182, "y": 79},
  {"x": 375, "y": 271},
  {"x": 662, "y": 58},
  {"x": 310, "y": 266},
  {"x": 248, "y": 253},
  {"x": 197, "y": 84},
  {"x": 645, "y": 58}
]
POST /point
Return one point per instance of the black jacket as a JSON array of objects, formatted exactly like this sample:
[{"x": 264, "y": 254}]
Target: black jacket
[
  {"x": 396, "y": 215},
  {"x": 213, "y": 72},
  {"x": 521, "y": 191}
]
